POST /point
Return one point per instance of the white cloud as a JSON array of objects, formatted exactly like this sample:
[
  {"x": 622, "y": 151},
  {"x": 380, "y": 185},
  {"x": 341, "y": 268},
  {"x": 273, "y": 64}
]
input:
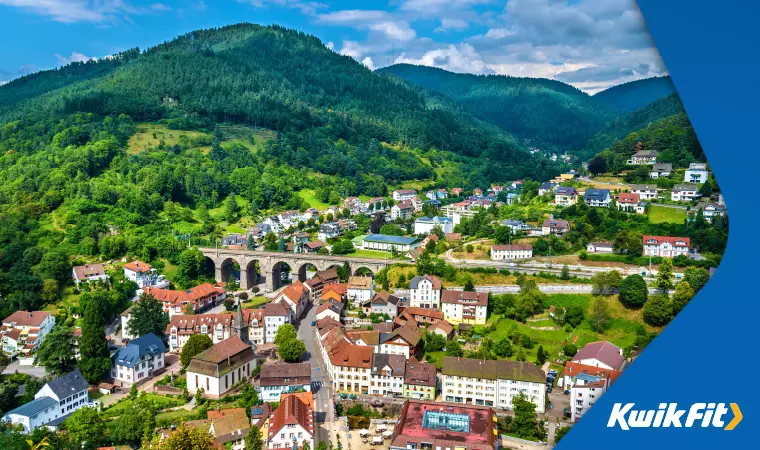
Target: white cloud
[
  {"x": 455, "y": 58},
  {"x": 448, "y": 24},
  {"x": 96, "y": 11},
  {"x": 331, "y": 45},
  {"x": 436, "y": 6},
  {"x": 353, "y": 17},
  {"x": 75, "y": 57},
  {"x": 399, "y": 31},
  {"x": 369, "y": 63},
  {"x": 499, "y": 33},
  {"x": 306, "y": 7}
]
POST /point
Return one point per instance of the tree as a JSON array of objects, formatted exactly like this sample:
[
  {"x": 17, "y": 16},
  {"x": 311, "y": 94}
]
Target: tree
[
  {"x": 230, "y": 209},
  {"x": 574, "y": 315},
  {"x": 570, "y": 350},
  {"x": 658, "y": 310},
  {"x": 597, "y": 165},
  {"x": 254, "y": 441},
  {"x": 565, "y": 274},
  {"x": 270, "y": 242},
  {"x": 148, "y": 316},
  {"x": 633, "y": 291},
  {"x": 194, "y": 345},
  {"x": 232, "y": 284},
  {"x": 665, "y": 274},
  {"x": 681, "y": 297},
  {"x": 559, "y": 433},
  {"x": 524, "y": 423},
  {"x": 599, "y": 314},
  {"x": 503, "y": 348},
  {"x": 606, "y": 282},
  {"x": 184, "y": 438},
  {"x": 434, "y": 342},
  {"x": 454, "y": 349},
  {"x": 85, "y": 427},
  {"x": 56, "y": 353},
  {"x": 228, "y": 303},
  {"x": 541, "y": 354},
  {"x": 344, "y": 271},
  {"x": 284, "y": 333},
  {"x": 291, "y": 350},
  {"x": 342, "y": 247},
  {"x": 501, "y": 235},
  {"x": 391, "y": 230},
  {"x": 136, "y": 422},
  {"x": 469, "y": 285},
  {"x": 95, "y": 362},
  {"x": 697, "y": 277}
]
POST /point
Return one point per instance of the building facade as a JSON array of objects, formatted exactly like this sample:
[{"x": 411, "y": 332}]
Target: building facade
[
  {"x": 696, "y": 173},
  {"x": 219, "y": 368},
  {"x": 138, "y": 360},
  {"x": 665, "y": 246},
  {"x": 464, "y": 307},
  {"x": 277, "y": 378},
  {"x": 425, "y": 292},
  {"x": 510, "y": 252},
  {"x": 23, "y": 331}
]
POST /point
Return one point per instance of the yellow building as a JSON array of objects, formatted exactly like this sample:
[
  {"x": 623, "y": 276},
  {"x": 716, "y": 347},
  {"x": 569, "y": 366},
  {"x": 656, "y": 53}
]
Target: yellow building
[{"x": 420, "y": 380}]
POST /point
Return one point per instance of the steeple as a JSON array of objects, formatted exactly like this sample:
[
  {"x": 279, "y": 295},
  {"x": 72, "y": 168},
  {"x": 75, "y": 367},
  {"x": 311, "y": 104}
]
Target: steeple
[{"x": 239, "y": 325}]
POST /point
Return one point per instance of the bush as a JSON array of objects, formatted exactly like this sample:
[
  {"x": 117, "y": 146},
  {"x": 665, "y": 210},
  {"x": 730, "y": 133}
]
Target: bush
[
  {"x": 570, "y": 350},
  {"x": 244, "y": 295}
]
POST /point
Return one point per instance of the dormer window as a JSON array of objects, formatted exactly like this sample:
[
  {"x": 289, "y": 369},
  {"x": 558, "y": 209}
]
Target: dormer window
[{"x": 204, "y": 329}]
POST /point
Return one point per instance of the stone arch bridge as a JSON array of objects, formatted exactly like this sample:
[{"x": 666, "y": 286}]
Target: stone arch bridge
[{"x": 258, "y": 267}]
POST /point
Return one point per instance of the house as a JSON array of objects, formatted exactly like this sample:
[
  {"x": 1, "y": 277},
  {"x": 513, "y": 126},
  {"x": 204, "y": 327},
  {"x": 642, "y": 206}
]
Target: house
[
  {"x": 235, "y": 240},
  {"x": 425, "y": 225},
  {"x": 598, "y": 197},
  {"x": 229, "y": 427},
  {"x": 360, "y": 288},
  {"x": 217, "y": 369},
  {"x": 403, "y": 210},
  {"x": 456, "y": 192},
  {"x": 386, "y": 242},
  {"x": 643, "y": 158},
  {"x": 600, "y": 354},
  {"x": 464, "y": 307},
  {"x": 645, "y": 191},
  {"x": 89, "y": 272},
  {"x": 52, "y": 404},
  {"x": 555, "y": 227},
  {"x": 713, "y": 209},
  {"x": 354, "y": 205},
  {"x": 376, "y": 204},
  {"x": 404, "y": 194},
  {"x": 477, "y": 192},
  {"x": 428, "y": 425},
  {"x": 330, "y": 230},
  {"x": 442, "y": 328},
  {"x": 565, "y": 196},
  {"x": 348, "y": 365},
  {"x": 144, "y": 275},
  {"x": 685, "y": 193},
  {"x": 320, "y": 280},
  {"x": 313, "y": 246},
  {"x": 661, "y": 170},
  {"x": 516, "y": 226},
  {"x": 666, "y": 246},
  {"x": 419, "y": 380},
  {"x": 420, "y": 316},
  {"x": 387, "y": 374},
  {"x": 382, "y": 303},
  {"x": 196, "y": 299},
  {"x": 600, "y": 247},
  {"x": 291, "y": 425},
  {"x": 273, "y": 315},
  {"x": 330, "y": 309},
  {"x": 546, "y": 188},
  {"x": 586, "y": 384},
  {"x": 425, "y": 292},
  {"x": 277, "y": 378},
  {"x": 139, "y": 360},
  {"x": 492, "y": 383},
  {"x": 628, "y": 201},
  {"x": 510, "y": 252},
  {"x": 453, "y": 237},
  {"x": 295, "y": 296},
  {"x": 23, "y": 331},
  {"x": 696, "y": 173}
]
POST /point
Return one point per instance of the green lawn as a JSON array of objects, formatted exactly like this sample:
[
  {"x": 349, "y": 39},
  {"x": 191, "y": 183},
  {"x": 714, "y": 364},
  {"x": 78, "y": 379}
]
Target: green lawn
[
  {"x": 361, "y": 253},
  {"x": 309, "y": 197},
  {"x": 663, "y": 214},
  {"x": 160, "y": 402},
  {"x": 255, "y": 302},
  {"x": 174, "y": 415}
]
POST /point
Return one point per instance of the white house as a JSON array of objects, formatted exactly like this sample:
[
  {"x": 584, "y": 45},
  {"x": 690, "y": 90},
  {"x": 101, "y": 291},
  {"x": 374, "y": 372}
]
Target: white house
[
  {"x": 360, "y": 289},
  {"x": 332, "y": 309},
  {"x": 645, "y": 191},
  {"x": 404, "y": 194},
  {"x": 598, "y": 197},
  {"x": 643, "y": 157},
  {"x": 388, "y": 374},
  {"x": 425, "y": 292},
  {"x": 600, "y": 247},
  {"x": 464, "y": 307},
  {"x": 22, "y": 332},
  {"x": 291, "y": 425},
  {"x": 492, "y": 383},
  {"x": 514, "y": 251},
  {"x": 515, "y": 225},
  {"x": 277, "y": 378},
  {"x": 546, "y": 188},
  {"x": 712, "y": 210},
  {"x": 382, "y": 303},
  {"x": 425, "y": 225},
  {"x": 89, "y": 272},
  {"x": 402, "y": 210},
  {"x": 586, "y": 385},
  {"x": 219, "y": 368},
  {"x": 661, "y": 170},
  {"x": 685, "y": 193},
  {"x": 329, "y": 231},
  {"x": 144, "y": 275},
  {"x": 666, "y": 246},
  {"x": 52, "y": 404},
  {"x": 295, "y": 297},
  {"x": 600, "y": 354},
  {"x": 138, "y": 360},
  {"x": 696, "y": 173}
]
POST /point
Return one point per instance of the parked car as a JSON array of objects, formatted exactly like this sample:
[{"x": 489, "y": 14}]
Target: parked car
[
  {"x": 313, "y": 322},
  {"x": 376, "y": 402}
]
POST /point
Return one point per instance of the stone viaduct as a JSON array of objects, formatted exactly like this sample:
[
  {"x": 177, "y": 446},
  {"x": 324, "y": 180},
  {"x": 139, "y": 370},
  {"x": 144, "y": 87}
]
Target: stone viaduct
[{"x": 258, "y": 267}]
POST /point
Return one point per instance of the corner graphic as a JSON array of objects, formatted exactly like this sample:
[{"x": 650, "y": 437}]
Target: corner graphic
[{"x": 668, "y": 415}]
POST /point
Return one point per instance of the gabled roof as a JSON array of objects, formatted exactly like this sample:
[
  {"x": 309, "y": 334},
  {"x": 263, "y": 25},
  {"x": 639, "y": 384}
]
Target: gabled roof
[
  {"x": 556, "y": 223},
  {"x": 628, "y": 197},
  {"x": 176, "y": 298},
  {"x": 384, "y": 298},
  {"x": 602, "y": 351},
  {"x": 292, "y": 411},
  {"x": 597, "y": 194},
  {"x": 674, "y": 241},
  {"x": 130, "y": 354},
  {"x": 443, "y": 326},
  {"x": 643, "y": 187},
  {"x": 420, "y": 373},
  {"x": 414, "y": 282},
  {"x": 407, "y": 333},
  {"x": 396, "y": 363},
  {"x": 27, "y": 319},
  {"x": 685, "y": 187},
  {"x": 285, "y": 374},
  {"x": 137, "y": 266},
  {"x": 465, "y": 297},
  {"x": 573, "y": 368},
  {"x": 424, "y": 312},
  {"x": 512, "y": 248},
  {"x": 492, "y": 369},
  {"x": 89, "y": 270},
  {"x": 565, "y": 190},
  {"x": 294, "y": 292},
  {"x": 223, "y": 350},
  {"x": 69, "y": 384},
  {"x": 33, "y": 407}
]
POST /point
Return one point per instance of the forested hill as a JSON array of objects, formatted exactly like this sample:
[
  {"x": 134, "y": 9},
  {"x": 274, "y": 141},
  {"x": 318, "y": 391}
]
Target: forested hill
[
  {"x": 540, "y": 110},
  {"x": 636, "y": 94},
  {"x": 623, "y": 126}
]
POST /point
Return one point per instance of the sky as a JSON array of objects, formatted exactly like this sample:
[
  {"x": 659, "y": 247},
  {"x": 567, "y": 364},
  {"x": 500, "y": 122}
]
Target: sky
[{"x": 591, "y": 44}]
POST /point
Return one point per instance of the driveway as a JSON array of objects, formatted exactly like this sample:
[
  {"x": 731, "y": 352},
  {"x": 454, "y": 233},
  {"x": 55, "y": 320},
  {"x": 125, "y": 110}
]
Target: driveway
[{"x": 16, "y": 367}]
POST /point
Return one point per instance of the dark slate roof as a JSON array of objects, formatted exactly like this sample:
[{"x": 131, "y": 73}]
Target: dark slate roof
[
  {"x": 69, "y": 384},
  {"x": 33, "y": 407},
  {"x": 130, "y": 354},
  {"x": 597, "y": 194}
]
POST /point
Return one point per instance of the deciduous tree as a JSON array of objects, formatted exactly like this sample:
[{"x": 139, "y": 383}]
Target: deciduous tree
[
  {"x": 148, "y": 316},
  {"x": 633, "y": 291},
  {"x": 194, "y": 345},
  {"x": 658, "y": 310},
  {"x": 56, "y": 353}
]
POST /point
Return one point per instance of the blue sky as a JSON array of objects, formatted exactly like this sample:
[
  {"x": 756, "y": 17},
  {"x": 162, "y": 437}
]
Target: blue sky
[{"x": 591, "y": 44}]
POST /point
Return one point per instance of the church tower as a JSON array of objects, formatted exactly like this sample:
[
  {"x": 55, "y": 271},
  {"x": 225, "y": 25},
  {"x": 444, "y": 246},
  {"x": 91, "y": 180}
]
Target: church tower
[{"x": 239, "y": 325}]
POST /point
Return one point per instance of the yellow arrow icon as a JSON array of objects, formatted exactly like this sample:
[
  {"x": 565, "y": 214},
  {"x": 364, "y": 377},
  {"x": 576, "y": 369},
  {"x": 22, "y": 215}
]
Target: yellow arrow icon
[{"x": 737, "y": 417}]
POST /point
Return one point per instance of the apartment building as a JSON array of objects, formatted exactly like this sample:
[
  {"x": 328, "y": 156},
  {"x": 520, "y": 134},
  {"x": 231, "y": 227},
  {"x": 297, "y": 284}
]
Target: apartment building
[
  {"x": 464, "y": 307},
  {"x": 696, "y": 173},
  {"x": 387, "y": 374},
  {"x": 138, "y": 360},
  {"x": 645, "y": 191},
  {"x": 23, "y": 331},
  {"x": 665, "y": 246},
  {"x": 425, "y": 292},
  {"x": 510, "y": 252}
]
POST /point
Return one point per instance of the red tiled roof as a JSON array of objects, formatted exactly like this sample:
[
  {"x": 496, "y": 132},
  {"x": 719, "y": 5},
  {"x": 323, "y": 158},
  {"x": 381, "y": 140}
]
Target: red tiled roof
[
  {"x": 292, "y": 411},
  {"x": 603, "y": 351},
  {"x": 89, "y": 270},
  {"x": 26, "y": 318},
  {"x": 343, "y": 353},
  {"x": 627, "y": 197},
  {"x": 424, "y": 312},
  {"x": 137, "y": 266},
  {"x": 573, "y": 368},
  {"x": 294, "y": 292},
  {"x": 465, "y": 297},
  {"x": 674, "y": 241},
  {"x": 178, "y": 297}
]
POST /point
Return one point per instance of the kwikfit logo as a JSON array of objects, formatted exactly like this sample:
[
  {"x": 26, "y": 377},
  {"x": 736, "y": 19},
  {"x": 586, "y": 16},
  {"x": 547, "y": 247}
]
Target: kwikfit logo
[{"x": 669, "y": 415}]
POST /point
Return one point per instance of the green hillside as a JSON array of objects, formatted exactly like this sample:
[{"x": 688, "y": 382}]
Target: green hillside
[
  {"x": 544, "y": 112},
  {"x": 636, "y": 94}
]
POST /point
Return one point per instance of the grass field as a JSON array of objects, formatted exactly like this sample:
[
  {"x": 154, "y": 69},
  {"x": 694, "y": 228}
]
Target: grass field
[
  {"x": 374, "y": 254},
  {"x": 151, "y": 135},
  {"x": 255, "y": 302},
  {"x": 308, "y": 196},
  {"x": 663, "y": 214}
]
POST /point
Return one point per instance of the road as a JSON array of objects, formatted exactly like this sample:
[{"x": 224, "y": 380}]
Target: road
[
  {"x": 320, "y": 383},
  {"x": 16, "y": 367}
]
